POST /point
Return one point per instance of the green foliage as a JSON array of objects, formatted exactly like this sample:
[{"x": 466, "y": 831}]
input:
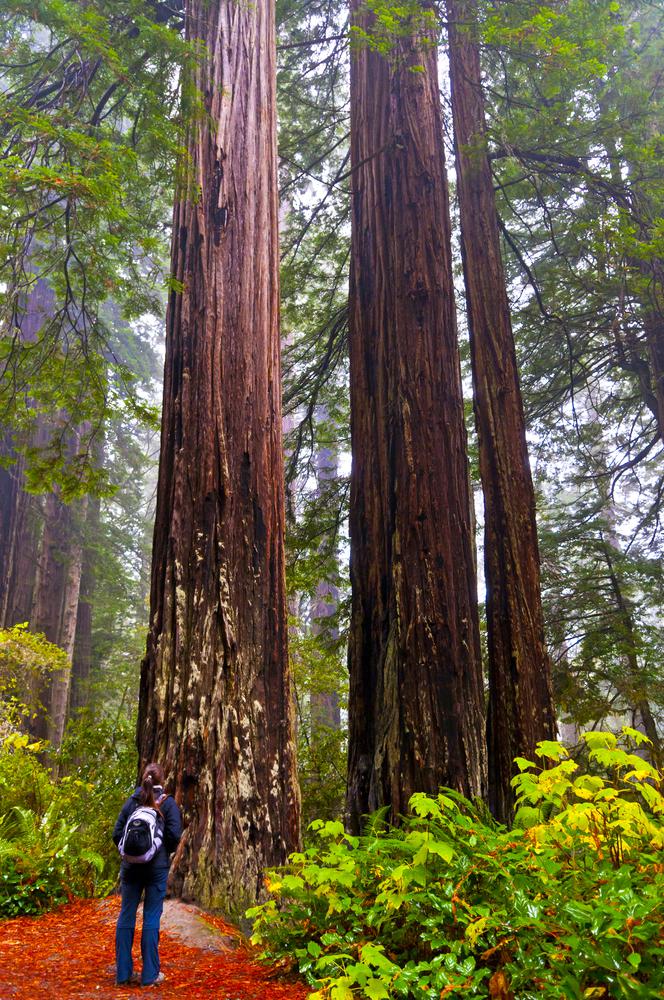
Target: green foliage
[
  {"x": 313, "y": 157},
  {"x": 594, "y": 818},
  {"x": 42, "y": 862},
  {"x": 575, "y": 112},
  {"x": 317, "y": 650},
  {"x": 26, "y": 659},
  {"x": 601, "y": 606},
  {"x": 574, "y": 102},
  {"x": 385, "y": 23},
  {"x": 452, "y": 904},
  {"x": 91, "y": 130},
  {"x": 55, "y": 831}
]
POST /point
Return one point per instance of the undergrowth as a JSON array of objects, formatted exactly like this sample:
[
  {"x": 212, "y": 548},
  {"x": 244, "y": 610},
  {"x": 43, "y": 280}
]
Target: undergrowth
[
  {"x": 57, "y": 812},
  {"x": 567, "y": 904}
]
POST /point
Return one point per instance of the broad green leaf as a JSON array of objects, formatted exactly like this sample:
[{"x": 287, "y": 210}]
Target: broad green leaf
[{"x": 375, "y": 989}]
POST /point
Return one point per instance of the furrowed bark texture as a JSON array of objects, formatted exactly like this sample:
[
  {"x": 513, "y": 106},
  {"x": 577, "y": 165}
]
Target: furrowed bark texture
[
  {"x": 216, "y": 706},
  {"x": 415, "y": 705},
  {"x": 521, "y": 708}
]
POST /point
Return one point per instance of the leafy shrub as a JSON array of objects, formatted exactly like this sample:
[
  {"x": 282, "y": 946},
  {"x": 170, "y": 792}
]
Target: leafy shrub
[
  {"x": 99, "y": 758},
  {"x": 43, "y": 862},
  {"x": 566, "y": 905},
  {"x": 55, "y": 828},
  {"x": 321, "y": 761},
  {"x": 26, "y": 660},
  {"x": 24, "y": 780}
]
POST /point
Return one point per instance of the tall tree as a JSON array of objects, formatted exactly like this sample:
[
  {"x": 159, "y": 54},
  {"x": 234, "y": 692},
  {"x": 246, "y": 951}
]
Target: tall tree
[
  {"x": 521, "y": 708},
  {"x": 18, "y": 540},
  {"x": 55, "y": 604},
  {"x": 20, "y": 515},
  {"x": 216, "y": 705},
  {"x": 415, "y": 703},
  {"x": 82, "y": 649}
]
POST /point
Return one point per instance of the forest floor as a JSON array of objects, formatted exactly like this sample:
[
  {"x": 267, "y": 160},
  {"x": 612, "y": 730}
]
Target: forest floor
[{"x": 69, "y": 953}]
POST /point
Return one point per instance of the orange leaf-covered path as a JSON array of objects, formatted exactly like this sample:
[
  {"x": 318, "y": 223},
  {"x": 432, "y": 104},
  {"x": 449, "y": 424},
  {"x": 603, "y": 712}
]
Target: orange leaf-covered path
[{"x": 70, "y": 954}]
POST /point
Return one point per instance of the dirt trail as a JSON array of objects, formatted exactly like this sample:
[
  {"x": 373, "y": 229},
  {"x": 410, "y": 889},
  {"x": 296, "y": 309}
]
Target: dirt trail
[{"x": 69, "y": 955}]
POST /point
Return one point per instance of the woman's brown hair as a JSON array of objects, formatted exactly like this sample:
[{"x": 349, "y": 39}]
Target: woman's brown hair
[{"x": 152, "y": 775}]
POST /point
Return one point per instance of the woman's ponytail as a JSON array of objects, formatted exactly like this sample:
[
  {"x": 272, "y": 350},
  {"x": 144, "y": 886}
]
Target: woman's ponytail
[
  {"x": 147, "y": 792},
  {"x": 152, "y": 775}
]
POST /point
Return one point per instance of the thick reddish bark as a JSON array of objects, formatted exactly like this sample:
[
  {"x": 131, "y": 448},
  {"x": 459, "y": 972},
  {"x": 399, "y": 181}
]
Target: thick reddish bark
[
  {"x": 216, "y": 705},
  {"x": 416, "y": 706},
  {"x": 520, "y": 692}
]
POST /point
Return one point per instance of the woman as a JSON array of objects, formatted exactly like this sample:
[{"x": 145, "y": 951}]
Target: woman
[{"x": 149, "y": 877}]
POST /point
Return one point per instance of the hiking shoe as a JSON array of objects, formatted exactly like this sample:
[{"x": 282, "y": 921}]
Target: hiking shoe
[
  {"x": 156, "y": 982},
  {"x": 133, "y": 980}
]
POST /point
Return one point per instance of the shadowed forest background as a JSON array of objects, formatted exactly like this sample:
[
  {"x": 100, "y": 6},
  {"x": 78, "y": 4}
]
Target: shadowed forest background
[{"x": 331, "y": 432}]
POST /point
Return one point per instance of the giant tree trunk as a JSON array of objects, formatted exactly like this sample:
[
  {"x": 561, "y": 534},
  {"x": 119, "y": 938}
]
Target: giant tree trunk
[
  {"x": 415, "y": 702},
  {"x": 520, "y": 691},
  {"x": 216, "y": 706}
]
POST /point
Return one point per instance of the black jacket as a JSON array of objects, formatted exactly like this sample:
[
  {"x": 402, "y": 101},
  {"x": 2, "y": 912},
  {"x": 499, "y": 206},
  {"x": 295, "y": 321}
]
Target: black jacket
[{"x": 172, "y": 831}]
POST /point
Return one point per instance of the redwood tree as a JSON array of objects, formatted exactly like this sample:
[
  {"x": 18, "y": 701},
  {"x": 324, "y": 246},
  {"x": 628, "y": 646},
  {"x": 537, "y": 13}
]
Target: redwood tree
[
  {"x": 415, "y": 709},
  {"x": 20, "y": 516},
  {"x": 520, "y": 696},
  {"x": 55, "y": 604},
  {"x": 82, "y": 651},
  {"x": 18, "y": 540},
  {"x": 215, "y": 703}
]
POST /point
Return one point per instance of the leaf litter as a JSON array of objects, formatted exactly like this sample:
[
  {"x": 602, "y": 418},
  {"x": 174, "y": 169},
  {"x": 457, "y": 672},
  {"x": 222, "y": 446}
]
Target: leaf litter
[{"x": 69, "y": 954}]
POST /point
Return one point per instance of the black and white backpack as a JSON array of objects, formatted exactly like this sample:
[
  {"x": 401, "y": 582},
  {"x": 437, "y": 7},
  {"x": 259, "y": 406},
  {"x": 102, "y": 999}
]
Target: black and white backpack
[{"x": 143, "y": 835}]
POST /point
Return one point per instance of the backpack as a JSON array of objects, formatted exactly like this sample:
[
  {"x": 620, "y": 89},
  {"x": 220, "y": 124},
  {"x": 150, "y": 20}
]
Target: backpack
[{"x": 143, "y": 835}]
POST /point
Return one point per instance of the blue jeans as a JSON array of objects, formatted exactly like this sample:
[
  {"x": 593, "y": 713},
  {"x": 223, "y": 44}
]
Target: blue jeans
[{"x": 154, "y": 885}]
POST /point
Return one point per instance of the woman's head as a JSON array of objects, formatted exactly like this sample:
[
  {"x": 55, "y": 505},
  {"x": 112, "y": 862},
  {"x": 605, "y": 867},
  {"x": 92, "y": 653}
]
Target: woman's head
[
  {"x": 153, "y": 777},
  {"x": 154, "y": 773}
]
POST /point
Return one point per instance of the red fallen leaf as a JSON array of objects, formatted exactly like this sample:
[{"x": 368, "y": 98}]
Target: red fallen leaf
[{"x": 69, "y": 955}]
